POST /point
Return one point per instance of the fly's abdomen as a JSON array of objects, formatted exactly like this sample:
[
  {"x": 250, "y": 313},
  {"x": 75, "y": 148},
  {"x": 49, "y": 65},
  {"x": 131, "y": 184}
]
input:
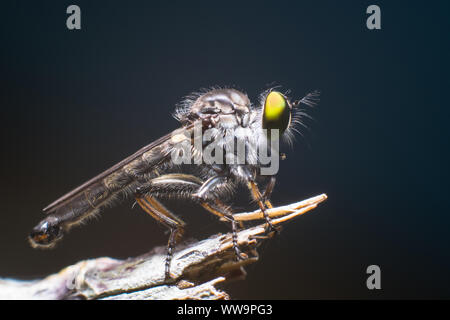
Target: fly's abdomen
[{"x": 88, "y": 199}]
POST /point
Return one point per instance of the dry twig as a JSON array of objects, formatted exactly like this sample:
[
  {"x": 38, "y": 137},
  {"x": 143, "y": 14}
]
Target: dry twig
[{"x": 197, "y": 268}]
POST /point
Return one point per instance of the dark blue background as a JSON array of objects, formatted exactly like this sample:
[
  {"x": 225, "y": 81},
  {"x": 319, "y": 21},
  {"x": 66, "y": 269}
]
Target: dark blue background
[{"x": 75, "y": 102}]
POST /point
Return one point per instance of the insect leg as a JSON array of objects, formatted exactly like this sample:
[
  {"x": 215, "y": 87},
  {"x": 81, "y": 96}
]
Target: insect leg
[
  {"x": 268, "y": 192},
  {"x": 221, "y": 210},
  {"x": 262, "y": 203},
  {"x": 190, "y": 187},
  {"x": 208, "y": 199},
  {"x": 207, "y": 188},
  {"x": 155, "y": 209},
  {"x": 181, "y": 185}
]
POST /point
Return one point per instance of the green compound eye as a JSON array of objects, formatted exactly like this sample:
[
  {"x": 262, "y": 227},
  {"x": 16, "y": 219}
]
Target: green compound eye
[{"x": 277, "y": 112}]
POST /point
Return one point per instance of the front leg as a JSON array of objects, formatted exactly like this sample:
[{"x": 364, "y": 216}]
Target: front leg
[
  {"x": 264, "y": 202},
  {"x": 268, "y": 192}
]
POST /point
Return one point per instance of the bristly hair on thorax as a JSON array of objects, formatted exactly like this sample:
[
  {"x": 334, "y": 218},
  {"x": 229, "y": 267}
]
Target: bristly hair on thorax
[{"x": 183, "y": 107}]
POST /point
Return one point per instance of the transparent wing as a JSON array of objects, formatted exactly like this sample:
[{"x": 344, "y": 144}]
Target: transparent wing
[{"x": 118, "y": 179}]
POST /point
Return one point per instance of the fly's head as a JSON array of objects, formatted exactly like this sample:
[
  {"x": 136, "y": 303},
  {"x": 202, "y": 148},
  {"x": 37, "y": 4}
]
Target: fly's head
[{"x": 244, "y": 131}]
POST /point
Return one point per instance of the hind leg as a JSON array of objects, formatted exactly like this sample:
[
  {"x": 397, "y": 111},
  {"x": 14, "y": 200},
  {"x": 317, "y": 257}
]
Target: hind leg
[{"x": 188, "y": 187}]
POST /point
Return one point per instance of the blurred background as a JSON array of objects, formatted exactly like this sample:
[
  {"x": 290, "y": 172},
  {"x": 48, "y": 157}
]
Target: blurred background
[{"x": 73, "y": 103}]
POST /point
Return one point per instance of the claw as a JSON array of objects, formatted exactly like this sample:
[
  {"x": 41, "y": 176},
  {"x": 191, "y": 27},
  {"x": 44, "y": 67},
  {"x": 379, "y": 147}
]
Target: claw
[
  {"x": 168, "y": 276},
  {"x": 272, "y": 230},
  {"x": 240, "y": 255}
]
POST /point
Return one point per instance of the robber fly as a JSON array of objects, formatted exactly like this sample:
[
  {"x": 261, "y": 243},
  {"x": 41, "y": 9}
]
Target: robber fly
[{"x": 151, "y": 174}]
